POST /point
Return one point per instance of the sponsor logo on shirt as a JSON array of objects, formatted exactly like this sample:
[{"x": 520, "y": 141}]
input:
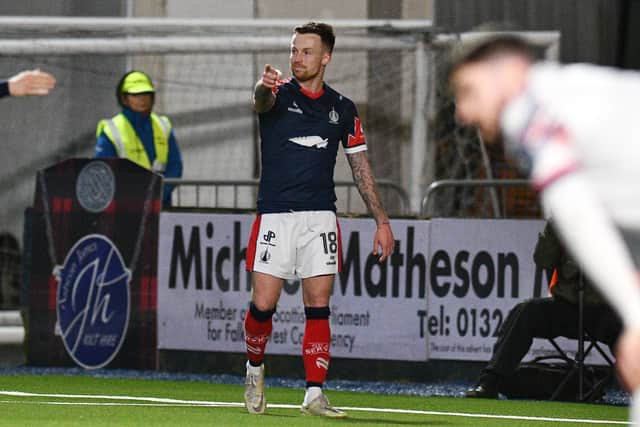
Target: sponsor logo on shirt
[{"x": 311, "y": 141}]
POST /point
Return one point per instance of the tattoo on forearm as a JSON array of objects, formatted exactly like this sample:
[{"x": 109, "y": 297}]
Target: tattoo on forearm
[
  {"x": 363, "y": 178},
  {"x": 263, "y": 98}
]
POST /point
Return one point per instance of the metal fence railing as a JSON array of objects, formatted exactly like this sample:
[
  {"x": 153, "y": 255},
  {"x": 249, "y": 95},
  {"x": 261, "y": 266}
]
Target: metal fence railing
[
  {"x": 436, "y": 186},
  {"x": 208, "y": 194},
  {"x": 11, "y": 329}
]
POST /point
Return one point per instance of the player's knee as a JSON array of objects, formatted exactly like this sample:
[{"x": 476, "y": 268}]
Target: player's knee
[
  {"x": 317, "y": 298},
  {"x": 261, "y": 314},
  {"x": 264, "y": 301}
]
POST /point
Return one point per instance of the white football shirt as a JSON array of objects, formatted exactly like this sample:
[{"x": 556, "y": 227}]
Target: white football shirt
[{"x": 581, "y": 117}]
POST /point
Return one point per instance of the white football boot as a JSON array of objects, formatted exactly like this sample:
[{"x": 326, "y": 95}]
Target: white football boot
[
  {"x": 321, "y": 407},
  {"x": 254, "y": 399}
]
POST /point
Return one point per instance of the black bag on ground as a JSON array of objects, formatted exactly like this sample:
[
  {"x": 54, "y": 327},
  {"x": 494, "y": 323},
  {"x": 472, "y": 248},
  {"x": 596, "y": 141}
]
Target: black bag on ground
[{"x": 541, "y": 380}]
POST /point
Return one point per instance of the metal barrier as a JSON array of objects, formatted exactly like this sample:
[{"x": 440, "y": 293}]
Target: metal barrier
[
  {"x": 11, "y": 329},
  {"x": 439, "y": 185},
  {"x": 235, "y": 185}
]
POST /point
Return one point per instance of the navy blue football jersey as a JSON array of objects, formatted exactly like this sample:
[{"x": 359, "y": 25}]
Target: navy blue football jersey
[{"x": 299, "y": 143}]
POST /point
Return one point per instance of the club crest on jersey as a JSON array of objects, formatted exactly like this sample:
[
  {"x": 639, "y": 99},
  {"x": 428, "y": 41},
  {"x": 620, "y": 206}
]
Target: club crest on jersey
[
  {"x": 311, "y": 141},
  {"x": 334, "y": 117}
]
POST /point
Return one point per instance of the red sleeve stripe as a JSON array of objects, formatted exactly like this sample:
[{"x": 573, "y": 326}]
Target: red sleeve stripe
[{"x": 358, "y": 134}]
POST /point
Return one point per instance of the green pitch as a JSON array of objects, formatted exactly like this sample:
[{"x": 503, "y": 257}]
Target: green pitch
[{"x": 87, "y": 401}]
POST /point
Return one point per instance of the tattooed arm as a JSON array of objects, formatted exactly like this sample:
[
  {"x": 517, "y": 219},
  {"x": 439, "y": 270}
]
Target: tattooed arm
[
  {"x": 263, "y": 97},
  {"x": 363, "y": 178}
]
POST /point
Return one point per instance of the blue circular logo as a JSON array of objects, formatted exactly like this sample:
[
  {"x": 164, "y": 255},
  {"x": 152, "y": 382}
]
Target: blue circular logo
[{"x": 93, "y": 301}]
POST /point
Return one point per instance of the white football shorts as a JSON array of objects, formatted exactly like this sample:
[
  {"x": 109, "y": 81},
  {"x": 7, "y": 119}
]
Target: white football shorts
[{"x": 294, "y": 245}]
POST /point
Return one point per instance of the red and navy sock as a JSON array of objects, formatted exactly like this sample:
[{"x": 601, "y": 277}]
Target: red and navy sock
[
  {"x": 257, "y": 329},
  {"x": 315, "y": 345}
]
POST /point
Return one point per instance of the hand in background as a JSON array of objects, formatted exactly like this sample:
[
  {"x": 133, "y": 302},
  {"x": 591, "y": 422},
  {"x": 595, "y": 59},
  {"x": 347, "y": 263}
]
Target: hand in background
[{"x": 31, "y": 83}]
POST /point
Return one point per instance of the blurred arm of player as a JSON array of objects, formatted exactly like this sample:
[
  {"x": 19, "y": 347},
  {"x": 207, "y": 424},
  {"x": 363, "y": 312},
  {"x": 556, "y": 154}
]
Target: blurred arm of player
[
  {"x": 597, "y": 244},
  {"x": 383, "y": 241},
  {"x": 263, "y": 96},
  {"x": 31, "y": 82}
]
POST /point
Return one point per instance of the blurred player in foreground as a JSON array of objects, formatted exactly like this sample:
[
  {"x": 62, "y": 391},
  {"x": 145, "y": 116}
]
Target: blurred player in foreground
[
  {"x": 28, "y": 83},
  {"x": 574, "y": 129},
  {"x": 296, "y": 234}
]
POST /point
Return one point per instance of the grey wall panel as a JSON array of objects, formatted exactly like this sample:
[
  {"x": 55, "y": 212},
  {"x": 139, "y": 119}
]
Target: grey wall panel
[
  {"x": 589, "y": 27},
  {"x": 36, "y": 132}
]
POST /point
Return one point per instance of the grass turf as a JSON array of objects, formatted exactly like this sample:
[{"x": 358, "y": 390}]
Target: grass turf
[{"x": 57, "y": 411}]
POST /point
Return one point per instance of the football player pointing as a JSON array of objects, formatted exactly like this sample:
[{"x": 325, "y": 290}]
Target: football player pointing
[{"x": 296, "y": 233}]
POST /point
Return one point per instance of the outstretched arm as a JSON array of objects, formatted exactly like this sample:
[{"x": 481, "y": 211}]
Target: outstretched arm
[
  {"x": 31, "y": 82},
  {"x": 263, "y": 96},
  {"x": 366, "y": 183}
]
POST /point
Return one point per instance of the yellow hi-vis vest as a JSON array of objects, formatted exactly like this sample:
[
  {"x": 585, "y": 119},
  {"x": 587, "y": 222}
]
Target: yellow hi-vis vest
[{"x": 128, "y": 145}]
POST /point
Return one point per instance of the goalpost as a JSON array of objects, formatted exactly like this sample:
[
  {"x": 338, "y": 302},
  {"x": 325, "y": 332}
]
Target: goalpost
[{"x": 204, "y": 71}]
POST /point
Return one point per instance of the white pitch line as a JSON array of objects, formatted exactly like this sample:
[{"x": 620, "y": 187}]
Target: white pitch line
[
  {"x": 168, "y": 405},
  {"x": 110, "y": 397},
  {"x": 162, "y": 401}
]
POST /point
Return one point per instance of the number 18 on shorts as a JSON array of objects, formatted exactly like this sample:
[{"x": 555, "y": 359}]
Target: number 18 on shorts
[{"x": 294, "y": 245}]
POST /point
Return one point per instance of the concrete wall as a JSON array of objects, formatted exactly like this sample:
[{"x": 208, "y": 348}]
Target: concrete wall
[
  {"x": 306, "y": 9},
  {"x": 37, "y": 132},
  {"x": 590, "y": 28}
]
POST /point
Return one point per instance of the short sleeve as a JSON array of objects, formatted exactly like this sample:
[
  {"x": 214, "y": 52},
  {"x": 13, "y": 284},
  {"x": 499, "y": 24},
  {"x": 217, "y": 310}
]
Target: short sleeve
[{"x": 353, "y": 139}]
